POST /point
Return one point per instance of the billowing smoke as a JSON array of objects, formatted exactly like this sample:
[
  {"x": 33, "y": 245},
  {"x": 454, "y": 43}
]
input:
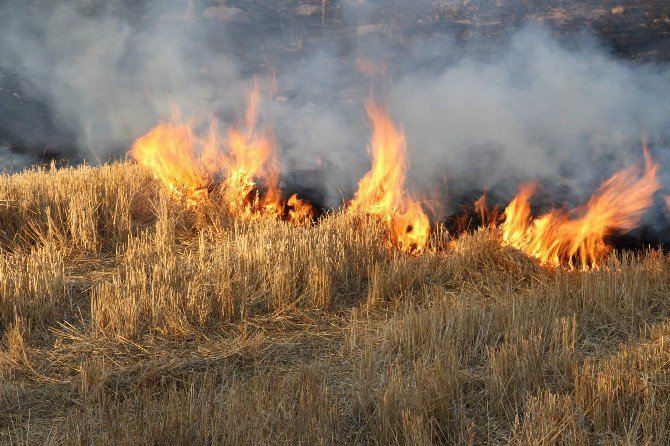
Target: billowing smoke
[
  {"x": 535, "y": 110},
  {"x": 100, "y": 73},
  {"x": 86, "y": 78}
]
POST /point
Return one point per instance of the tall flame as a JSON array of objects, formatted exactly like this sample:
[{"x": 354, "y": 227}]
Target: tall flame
[
  {"x": 577, "y": 237},
  {"x": 191, "y": 166},
  {"x": 381, "y": 191},
  {"x": 186, "y": 164},
  {"x": 488, "y": 217},
  {"x": 253, "y": 156},
  {"x": 252, "y": 152}
]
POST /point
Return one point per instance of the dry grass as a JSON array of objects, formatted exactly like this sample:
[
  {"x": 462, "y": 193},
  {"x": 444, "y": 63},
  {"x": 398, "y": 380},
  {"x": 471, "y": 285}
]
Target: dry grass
[{"x": 126, "y": 319}]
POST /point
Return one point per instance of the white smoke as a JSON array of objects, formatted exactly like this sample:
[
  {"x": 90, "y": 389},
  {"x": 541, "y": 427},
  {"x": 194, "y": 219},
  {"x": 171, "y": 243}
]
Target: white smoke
[{"x": 525, "y": 108}]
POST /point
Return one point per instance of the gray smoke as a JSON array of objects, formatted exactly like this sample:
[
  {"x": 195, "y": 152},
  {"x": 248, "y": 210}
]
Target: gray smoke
[
  {"x": 106, "y": 75},
  {"x": 487, "y": 114},
  {"x": 534, "y": 111}
]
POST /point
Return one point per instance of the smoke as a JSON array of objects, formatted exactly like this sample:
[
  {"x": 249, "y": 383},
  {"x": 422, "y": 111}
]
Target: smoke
[
  {"x": 102, "y": 73},
  {"x": 489, "y": 114},
  {"x": 535, "y": 110}
]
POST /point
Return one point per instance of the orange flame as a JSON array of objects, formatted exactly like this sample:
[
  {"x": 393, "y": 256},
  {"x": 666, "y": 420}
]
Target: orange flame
[
  {"x": 253, "y": 154},
  {"x": 299, "y": 211},
  {"x": 578, "y": 236},
  {"x": 186, "y": 164},
  {"x": 381, "y": 191},
  {"x": 191, "y": 166},
  {"x": 488, "y": 217},
  {"x": 252, "y": 151}
]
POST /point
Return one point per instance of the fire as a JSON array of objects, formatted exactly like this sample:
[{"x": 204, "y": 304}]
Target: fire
[
  {"x": 252, "y": 156},
  {"x": 242, "y": 170},
  {"x": 488, "y": 218},
  {"x": 191, "y": 166},
  {"x": 410, "y": 228},
  {"x": 299, "y": 211},
  {"x": 381, "y": 191},
  {"x": 186, "y": 164},
  {"x": 577, "y": 237}
]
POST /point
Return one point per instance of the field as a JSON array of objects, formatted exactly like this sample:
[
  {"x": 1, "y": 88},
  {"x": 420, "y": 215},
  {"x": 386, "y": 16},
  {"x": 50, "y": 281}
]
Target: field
[
  {"x": 129, "y": 318},
  {"x": 135, "y": 311}
]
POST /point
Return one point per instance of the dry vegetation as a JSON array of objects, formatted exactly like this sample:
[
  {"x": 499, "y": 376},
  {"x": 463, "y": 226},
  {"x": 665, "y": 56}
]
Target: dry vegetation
[{"x": 127, "y": 319}]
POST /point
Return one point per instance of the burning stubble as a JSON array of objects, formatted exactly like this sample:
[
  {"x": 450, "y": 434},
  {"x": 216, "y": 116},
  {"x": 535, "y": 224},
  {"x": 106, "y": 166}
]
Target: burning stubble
[
  {"x": 527, "y": 108},
  {"x": 577, "y": 237},
  {"x": 189, "y": 167},
  {"x": 193, "y": 295},
  {"x": 194, "y": 168},
  {"x": 381, "y": 192}
]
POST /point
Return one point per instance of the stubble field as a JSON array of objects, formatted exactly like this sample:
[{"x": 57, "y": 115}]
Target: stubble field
[{"x": 129, "y": 318}]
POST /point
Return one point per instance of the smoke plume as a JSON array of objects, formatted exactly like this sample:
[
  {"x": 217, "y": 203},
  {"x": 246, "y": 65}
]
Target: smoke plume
[{"x": 85, "y": 79}]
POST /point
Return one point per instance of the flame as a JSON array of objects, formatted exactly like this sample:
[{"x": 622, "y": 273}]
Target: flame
[
  {"x": 299, "y": 211},
  {"x": 488, "y": 217},
  {"x": 381, "y": 191},
  {"x": 252, "y": 152},
  {"x": 410, "y": 228},
  {"x": 191, "y": 166},
  {"x": 577, "y": 237},
  {"x": 185, "y": 163},
  {"x": 253, "y": 156}
]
